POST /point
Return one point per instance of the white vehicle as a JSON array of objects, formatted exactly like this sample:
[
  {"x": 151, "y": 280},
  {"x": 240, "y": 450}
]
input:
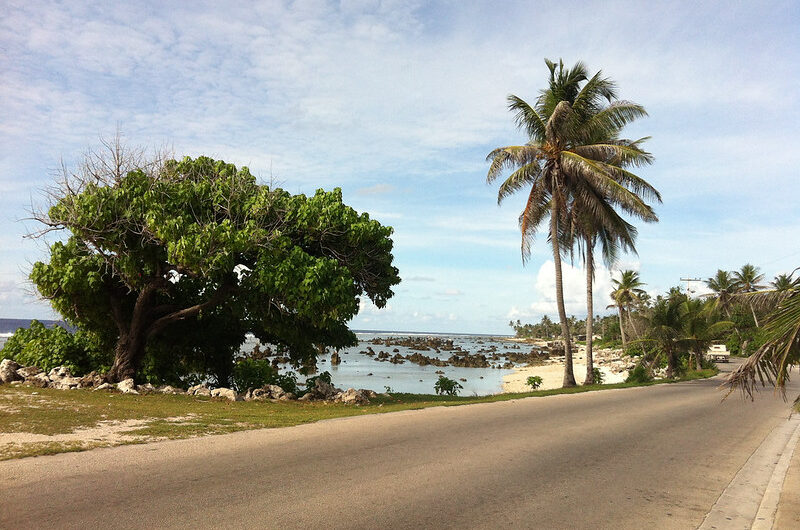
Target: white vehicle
[{"x": 718, "y": 353}]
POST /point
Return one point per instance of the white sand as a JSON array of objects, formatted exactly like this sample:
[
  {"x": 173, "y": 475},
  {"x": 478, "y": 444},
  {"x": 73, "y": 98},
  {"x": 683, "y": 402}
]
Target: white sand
[{"x": 553, "y": 376}]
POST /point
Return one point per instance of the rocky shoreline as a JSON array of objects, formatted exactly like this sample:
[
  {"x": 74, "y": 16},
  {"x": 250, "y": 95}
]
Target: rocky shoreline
[{"x": 61, "y": 378}]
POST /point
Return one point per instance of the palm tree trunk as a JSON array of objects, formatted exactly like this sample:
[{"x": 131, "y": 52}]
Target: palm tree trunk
[
  {"x": 635, "y": 331},
  {"x": 589, "y": 315},
  {"x": 755, "y": 318},
  {"x": 569, "y": 375},
  {"x": 622, "y": 327}
]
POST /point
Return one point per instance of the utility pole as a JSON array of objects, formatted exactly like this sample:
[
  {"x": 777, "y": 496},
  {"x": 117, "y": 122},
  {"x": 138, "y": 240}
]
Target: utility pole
[{"x": 688, "y": 283}]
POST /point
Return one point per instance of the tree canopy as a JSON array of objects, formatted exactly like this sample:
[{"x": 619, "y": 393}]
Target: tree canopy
[{"x": 187, "y": 256}]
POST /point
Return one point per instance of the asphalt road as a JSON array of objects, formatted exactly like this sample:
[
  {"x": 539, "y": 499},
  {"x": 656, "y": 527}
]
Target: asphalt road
[{"x": 655, "y": 457}]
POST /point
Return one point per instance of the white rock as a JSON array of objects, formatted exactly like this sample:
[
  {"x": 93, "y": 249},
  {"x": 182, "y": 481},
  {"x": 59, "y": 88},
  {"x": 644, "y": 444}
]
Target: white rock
[
  {"x": 103, "y": 387},
  {"x": 28, "y": 371},
  {"x": 198, "y": 390},
  {"x": 59, "y": 372},
  {"x": 226, "y": 393},
  {"x": 127, "y": 386},
  {"x": 41, "y": 380},
  {"x": 8, "y": 371},
  {"x": 351, "y": 396},
  {"x": 66, "y": 383}
]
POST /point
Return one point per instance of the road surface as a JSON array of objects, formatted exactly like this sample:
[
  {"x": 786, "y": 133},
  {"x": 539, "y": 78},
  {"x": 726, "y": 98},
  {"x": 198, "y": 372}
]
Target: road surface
[{"x": 654, "y": 457}]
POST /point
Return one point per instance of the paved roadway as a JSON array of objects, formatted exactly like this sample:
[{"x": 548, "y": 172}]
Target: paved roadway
[{"x": 655, "y": 457}]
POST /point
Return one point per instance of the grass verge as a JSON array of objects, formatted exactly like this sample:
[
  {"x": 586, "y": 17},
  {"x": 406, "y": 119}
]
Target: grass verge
[{"x": 35, "y": 421}]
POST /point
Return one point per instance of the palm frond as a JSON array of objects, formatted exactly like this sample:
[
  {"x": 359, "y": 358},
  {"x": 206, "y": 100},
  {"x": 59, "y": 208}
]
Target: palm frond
[
  {"x": 527, "y": 118},
  {"x": 526, "y": 175}
]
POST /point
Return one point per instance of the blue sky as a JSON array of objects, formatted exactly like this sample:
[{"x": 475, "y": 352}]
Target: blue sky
[{"x": 398, "y": 104}]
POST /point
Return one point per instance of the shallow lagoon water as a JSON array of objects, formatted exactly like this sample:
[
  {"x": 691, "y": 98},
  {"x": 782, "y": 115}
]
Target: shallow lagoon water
[{"x": 358, "y": 370}]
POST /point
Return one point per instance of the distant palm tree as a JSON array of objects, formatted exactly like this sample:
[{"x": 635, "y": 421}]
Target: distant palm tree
[
  {"x": 748, "y": 280},
  {"x": 724, "y": 286},
  {"x": 627, "y": 292},
  {"x": 573, "y": 162},
  {"x": 785, "y": 282},
  {"x": 700, "y": 327},
  {"x": 664, "y": 329}
]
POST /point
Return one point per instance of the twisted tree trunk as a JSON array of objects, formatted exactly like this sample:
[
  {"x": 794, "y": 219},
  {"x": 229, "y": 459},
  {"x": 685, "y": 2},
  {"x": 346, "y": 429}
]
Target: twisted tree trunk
[{"x": 147, "y": 321}]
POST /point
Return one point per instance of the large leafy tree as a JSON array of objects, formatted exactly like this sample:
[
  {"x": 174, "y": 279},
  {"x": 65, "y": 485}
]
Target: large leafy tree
[
  {"x": 575, "y": 165},
  {"x": 157, "y": 252}
]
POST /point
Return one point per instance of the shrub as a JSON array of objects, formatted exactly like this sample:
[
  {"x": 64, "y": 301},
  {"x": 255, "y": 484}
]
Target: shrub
[
  {"x": 48, "y": 348},
  {"x": 446, "y": 386},
  {"x": 534, "y": 381},
  {"x": 311, "y": 382},
  {"x": 287, "y": 381},
  {"x": 598, "y": 376},
  {"x": 257, "y": 373},
  {"x": 639, "y": 375},
  {"x": 252, "y": 373}
]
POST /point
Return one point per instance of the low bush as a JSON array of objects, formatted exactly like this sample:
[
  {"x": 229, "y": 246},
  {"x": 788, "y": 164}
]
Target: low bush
[
  {"x": 598, "y": 376},
  {"x": 534, "y": 381},
  {"x": 252, "y": 373},
  {"x": 639, "y": 374},
  {"x": 48, "y": 348},
  {"x": 257, "y": 373},
  {"x": 446, "y": 386},
  {"x": 311, "y": 382}
]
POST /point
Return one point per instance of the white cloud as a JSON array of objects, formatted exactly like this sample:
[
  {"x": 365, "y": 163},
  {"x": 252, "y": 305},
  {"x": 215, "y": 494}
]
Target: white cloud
[{"x": 574, "y": 284}]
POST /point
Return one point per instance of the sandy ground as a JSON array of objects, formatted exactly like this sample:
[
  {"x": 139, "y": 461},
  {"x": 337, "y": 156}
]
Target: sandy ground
[
  {"x": 553, "y": 376},
  {"x": 104, "y": 431}
]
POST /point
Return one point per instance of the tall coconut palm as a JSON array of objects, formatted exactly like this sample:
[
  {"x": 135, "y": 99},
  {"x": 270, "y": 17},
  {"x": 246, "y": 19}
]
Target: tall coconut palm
[
  {"x": 724, "y": 286},
  {"x": 748, "y": 280},
  {"x": 620, "y": 236},
  {"x": 573, "y": 156},
  {"x": 627, "y": 291}
]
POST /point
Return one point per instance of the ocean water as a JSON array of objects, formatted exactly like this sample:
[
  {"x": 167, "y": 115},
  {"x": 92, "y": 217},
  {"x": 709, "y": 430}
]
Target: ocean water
[{"x": 358, "y": 370}]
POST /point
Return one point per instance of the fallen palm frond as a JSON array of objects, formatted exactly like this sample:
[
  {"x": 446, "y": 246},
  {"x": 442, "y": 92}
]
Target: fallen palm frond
[{"x": 780, "y": 351}]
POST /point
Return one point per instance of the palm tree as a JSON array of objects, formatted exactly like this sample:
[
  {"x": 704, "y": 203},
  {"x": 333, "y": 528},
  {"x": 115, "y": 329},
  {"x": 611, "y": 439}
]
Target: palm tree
[
  {"x": 724, "y": 287},
  {"x": 747, "y": 279},
  {"x": 573, "y": 157},
  {"x": 772, "y": 362},
  {"x": 785, "y": 282},
  {"x": 664, "y": 328},
  {"x": 700, "y": 327},
  {"x": 627, "y": 292},
  {"x": 620, "y": 236}
]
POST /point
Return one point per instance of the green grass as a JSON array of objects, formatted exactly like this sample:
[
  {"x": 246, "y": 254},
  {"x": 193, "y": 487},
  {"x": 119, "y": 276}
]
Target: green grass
[{"x": 55, "y": 412}]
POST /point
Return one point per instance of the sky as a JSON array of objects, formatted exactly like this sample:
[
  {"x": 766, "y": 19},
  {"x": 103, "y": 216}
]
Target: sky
[{"x": 398, "y": 103}]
